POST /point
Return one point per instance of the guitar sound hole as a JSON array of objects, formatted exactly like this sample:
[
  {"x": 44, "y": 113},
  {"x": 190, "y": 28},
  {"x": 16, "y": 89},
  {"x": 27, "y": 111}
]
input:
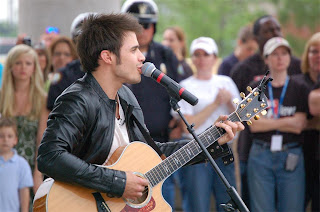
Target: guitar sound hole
[{"x": 142, "y": 198}]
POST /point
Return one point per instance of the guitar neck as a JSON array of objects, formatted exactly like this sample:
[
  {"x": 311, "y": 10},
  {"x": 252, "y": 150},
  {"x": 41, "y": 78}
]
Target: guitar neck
[{"x": 186, "y": 153}]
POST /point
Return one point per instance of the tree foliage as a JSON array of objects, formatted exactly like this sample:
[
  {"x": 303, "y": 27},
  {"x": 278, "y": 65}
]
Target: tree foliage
[
  {"x": 222, "y": 19},
  {"x": 8, "y": 30}
]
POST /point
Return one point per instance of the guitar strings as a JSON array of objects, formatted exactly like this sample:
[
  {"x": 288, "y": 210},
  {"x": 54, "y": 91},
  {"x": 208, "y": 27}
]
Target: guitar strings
[{"x": 192, "y": 145}]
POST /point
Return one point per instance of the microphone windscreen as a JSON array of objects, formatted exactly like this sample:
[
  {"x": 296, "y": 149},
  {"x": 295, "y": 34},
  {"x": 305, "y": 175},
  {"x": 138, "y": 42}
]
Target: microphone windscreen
[{"x": 147, "y": 69}]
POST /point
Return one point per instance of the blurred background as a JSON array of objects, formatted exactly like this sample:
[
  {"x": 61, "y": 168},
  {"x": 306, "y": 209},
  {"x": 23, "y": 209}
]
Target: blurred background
[{"x": 219, "y": 19}]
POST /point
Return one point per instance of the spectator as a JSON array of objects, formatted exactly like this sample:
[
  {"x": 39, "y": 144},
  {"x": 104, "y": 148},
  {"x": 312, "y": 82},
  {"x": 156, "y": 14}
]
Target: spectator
[
  {"x": 152, "y": 97},
  {"x": 246, "y": 46},
  {"x": 72, "y": 71},
  {"x": 63, "y": 51},
  {"x": 310, "y": 67},
  {"x": 254, "y": 68},
  {"x": 215, "y": 95},
  {"x": 314, "y": 101},
  {"x": 15, "y": 172},
  {"x": 23, "y": 38},
  {"x": 64, "y": 77},
  {"x": 51, "y": 33},
  {"x": 22, "y": 97},
  {"x": 45, "y": 62},
  {"x": 276, "y": 157},
  {"x": 174, "y": 38},
  {"x": 156, "y": 107}
]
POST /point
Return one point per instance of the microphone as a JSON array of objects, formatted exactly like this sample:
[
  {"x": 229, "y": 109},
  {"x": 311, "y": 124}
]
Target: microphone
[{"x": 149, "y": 70}]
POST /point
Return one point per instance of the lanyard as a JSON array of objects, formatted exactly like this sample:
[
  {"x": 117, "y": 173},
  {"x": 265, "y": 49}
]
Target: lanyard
[{"x": 283, "y": 92}]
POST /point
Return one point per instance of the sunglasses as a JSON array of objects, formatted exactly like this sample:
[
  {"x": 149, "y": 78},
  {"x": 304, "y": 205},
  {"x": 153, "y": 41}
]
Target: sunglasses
[
  {"x": 145, "y": 25},
  {"x": 50, "y": 30}
]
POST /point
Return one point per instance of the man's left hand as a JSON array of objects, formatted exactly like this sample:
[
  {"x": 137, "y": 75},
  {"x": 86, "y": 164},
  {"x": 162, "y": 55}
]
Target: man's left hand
[{"x": 230, "y": 127}]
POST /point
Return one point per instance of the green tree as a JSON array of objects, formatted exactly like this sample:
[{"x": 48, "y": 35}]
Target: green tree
[
  {"x": 8, "y": 30},
  {"x": 221, "y": 19}
]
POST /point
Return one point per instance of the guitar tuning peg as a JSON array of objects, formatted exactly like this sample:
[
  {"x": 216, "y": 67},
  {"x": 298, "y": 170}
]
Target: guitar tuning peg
[
  {"x": 249, "y": 122},
  {"x": 235, "y": 101},
  {"x": 264, "y": 112},
  {"x": 249, "y": 89},
  {"x": 256, "y": 117},
  {"x": 242, "y": 95}
]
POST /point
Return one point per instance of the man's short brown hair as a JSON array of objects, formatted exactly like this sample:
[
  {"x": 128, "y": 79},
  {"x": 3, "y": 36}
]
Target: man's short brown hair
[{"x": 104, "y": 32}]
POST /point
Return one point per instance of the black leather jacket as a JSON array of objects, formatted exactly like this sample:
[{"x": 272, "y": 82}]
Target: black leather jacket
[{"x": 80, "y": 133}]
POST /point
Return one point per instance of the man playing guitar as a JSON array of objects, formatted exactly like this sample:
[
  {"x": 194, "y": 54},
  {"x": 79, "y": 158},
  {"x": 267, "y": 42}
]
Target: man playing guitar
[{"x": 95, "y": 115}]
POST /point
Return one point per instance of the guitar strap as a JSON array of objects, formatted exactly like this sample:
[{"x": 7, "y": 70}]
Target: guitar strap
[
  {"x": 148, "y": 138},
  {"x": 101, "y": 204}
]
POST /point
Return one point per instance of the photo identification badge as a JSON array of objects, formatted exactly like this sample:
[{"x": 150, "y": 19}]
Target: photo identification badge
[{"x": 276, "y": 143}]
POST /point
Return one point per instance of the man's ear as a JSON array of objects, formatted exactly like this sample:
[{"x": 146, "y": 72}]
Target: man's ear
[{"x": 106, "y": 56}]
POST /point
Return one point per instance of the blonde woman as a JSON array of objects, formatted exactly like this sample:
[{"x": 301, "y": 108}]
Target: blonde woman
[
  {"x": 310, "y": 66},
  {"x": 22, "y": 97}
]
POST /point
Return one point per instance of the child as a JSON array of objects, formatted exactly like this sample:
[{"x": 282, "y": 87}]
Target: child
[{"x": 15, "y": 172}]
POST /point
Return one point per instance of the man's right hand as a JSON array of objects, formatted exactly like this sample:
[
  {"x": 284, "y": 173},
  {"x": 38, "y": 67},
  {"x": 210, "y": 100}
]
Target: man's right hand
[{"x": 134, "y": 186}]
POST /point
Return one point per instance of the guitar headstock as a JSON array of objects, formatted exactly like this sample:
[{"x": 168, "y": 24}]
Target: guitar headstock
[{"x": 251, "y": 105}]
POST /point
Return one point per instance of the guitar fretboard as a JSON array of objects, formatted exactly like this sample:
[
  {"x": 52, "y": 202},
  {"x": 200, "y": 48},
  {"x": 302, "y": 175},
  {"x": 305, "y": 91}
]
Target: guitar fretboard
[{"x": 186, "y": 153}]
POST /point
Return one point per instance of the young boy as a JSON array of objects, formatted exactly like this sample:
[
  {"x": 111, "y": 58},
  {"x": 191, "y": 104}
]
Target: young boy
[{"x": 15, "y": 172}]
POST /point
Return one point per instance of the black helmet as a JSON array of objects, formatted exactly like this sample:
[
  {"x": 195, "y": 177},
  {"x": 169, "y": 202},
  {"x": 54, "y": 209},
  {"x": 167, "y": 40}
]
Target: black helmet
[{"x": 145, "y": 10}]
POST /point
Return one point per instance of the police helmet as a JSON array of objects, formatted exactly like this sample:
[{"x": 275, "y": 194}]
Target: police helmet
[
  {"x": 75, "y": 28},
  {"x": 145, "y": 10}
]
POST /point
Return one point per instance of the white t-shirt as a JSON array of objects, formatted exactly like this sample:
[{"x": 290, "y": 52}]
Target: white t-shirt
[
  {"x": 206, "y": 91},
  {"x": 120, "y": 137}
]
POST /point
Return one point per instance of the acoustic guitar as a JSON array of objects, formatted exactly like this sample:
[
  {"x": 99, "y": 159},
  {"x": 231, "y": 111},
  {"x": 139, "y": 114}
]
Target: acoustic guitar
[{"x": 55, "y": 196}]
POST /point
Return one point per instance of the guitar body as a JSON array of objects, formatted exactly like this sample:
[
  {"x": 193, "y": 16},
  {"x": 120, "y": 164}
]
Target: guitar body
[{"x": 54, "y": 196}]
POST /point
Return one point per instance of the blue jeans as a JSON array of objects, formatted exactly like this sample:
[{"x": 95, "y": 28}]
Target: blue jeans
[
  {"x": 199, "y": 181},
  {"x": 272, "y": 187},
  {"x": 169, "y": 188},
  {"x": 244, "y": 183}
]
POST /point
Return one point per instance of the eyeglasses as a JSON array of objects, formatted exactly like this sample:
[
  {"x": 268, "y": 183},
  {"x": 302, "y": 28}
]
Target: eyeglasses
[
  {"x": 60, "y": 54},
  {"x": 50, "y": 30},
  {"x": 145, "y": 25}
]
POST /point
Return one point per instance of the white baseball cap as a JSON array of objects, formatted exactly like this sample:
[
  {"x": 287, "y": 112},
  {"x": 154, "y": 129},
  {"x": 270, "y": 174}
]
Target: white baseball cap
[
  {"x": 274, "y": 43},
  {"x": 205, "y": 43}
]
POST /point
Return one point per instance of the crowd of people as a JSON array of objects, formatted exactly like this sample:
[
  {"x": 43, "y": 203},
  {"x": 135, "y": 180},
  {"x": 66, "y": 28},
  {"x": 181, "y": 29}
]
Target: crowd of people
[{"x": 69, "y": 102}]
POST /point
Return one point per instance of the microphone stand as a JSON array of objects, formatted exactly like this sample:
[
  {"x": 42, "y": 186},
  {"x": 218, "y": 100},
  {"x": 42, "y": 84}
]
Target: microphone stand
[{"x": 235, "y": 203}]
